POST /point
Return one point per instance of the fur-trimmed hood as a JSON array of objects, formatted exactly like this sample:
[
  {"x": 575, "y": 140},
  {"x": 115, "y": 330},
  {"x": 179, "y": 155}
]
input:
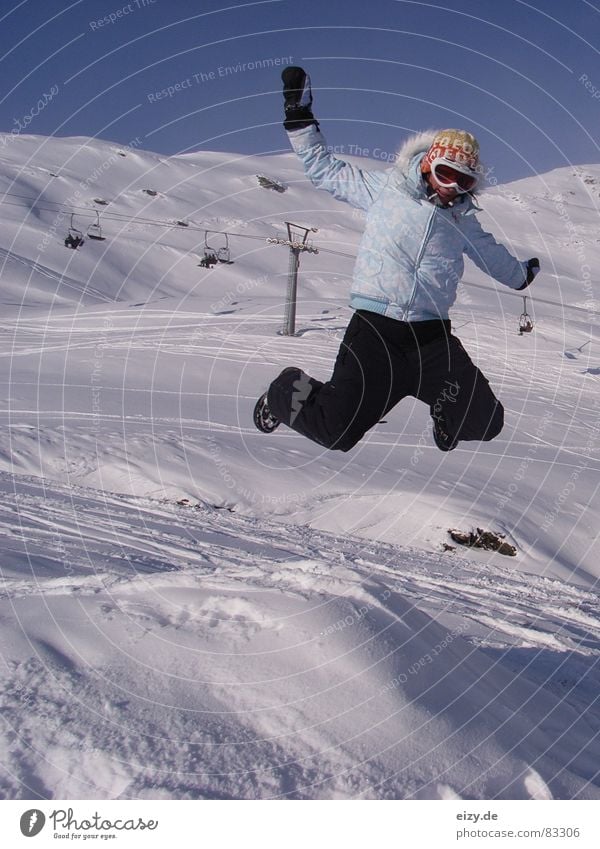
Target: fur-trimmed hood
[{"x": 417, "y": 143}]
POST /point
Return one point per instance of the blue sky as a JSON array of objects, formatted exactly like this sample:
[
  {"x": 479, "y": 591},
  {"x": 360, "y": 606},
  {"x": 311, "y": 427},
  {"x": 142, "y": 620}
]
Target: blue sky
[{"x": 523, "y": 76}]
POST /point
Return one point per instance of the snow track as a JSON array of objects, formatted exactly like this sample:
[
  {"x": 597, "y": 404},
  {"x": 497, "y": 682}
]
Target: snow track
[{"x": 197, "y": 639}]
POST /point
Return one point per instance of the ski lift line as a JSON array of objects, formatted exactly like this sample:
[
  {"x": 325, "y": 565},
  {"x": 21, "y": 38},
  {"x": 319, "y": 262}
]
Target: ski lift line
[
  {"x": 121, "y": 218},
  {"x": 516, "y": 294},
  {"x": 89, "y": 212},
  {"x": 513, "y": 294}
]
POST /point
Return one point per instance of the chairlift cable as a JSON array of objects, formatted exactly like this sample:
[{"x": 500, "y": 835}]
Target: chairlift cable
[
  {"x": 87, "y": 211},
  {"x": 121, "y": 218},
  {"x": 514, "y": 293}
]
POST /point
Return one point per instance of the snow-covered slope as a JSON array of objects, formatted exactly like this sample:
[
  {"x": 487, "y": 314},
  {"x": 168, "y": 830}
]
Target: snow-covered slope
[
  {"x": 184, "y": 651},
  {"x": 294, "y": 627}
]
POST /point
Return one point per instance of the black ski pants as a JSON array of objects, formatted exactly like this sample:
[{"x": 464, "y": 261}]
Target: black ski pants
[{"x": 380, "y": 361}]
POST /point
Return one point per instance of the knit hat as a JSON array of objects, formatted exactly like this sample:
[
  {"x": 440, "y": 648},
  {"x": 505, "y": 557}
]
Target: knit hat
[{"x": 456, "y": 147}]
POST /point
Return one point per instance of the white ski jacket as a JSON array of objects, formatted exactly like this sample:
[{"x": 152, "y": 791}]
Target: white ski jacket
[{"x": 410, "y": 259}]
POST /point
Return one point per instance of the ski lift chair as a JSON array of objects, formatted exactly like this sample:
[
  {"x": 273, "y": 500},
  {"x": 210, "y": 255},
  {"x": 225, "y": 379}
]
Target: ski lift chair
[
  {"x": 94, "y": 231},
  {"x": 224, "y": 254},
  {"x": 525, "y": 320},
  {"x": 210, "y": 257},
  {"x": 74, "y": 237}
]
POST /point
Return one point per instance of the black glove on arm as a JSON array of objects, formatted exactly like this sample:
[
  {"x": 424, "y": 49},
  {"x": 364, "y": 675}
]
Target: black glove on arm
[
  {"x": 298, "y": 99},
  {"x": 533, "y": 266}
]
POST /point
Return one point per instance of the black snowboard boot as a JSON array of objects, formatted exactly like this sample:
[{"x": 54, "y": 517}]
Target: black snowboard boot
[
  {"x": 443, "y": 441},
  {"x": 264, "y": 419}
]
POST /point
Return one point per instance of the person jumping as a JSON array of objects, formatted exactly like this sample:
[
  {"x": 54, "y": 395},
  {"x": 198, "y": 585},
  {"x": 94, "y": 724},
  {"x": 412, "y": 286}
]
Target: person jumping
[{"x": 421, "y": 220}]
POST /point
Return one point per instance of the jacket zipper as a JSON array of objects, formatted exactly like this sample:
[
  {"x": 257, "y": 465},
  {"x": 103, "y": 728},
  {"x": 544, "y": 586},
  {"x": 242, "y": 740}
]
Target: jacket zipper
[{"x": 420, "y": 257}]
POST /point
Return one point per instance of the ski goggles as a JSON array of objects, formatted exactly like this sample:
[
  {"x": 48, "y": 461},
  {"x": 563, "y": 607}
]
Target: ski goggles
[{"x": 451, "y": 177}]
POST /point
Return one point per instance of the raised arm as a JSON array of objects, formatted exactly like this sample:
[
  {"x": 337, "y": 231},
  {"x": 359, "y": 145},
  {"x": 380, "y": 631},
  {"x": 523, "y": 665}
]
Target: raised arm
[{"x": 341, "y": 179}]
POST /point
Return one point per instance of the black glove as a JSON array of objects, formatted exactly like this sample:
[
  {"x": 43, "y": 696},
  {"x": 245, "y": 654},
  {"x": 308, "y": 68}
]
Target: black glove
[
  {"x": 298, "y": 99},
  {"x": 533, "y": 266}
]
